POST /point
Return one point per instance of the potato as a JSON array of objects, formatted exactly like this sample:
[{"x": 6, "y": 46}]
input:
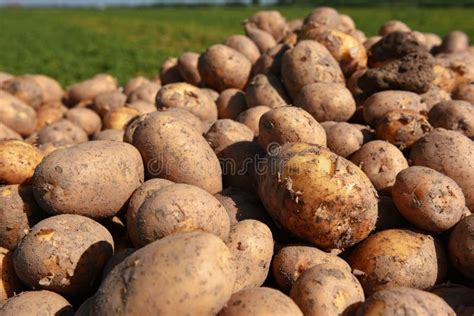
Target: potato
[
  {"x": 82, "y": 93},
  {"x": 308, "y": 62},
  {"x": 106, "y": 102},
  {"x": 327, "y": 290},
  {"x": 453, "y": 70},
  {"x": 18, "y": 161},
  {"x": 165, "y": 143},
  {"x": 88, "y": 172},
  {"x": 465, "y": 92},
  {"x": 230, "y": 103},
  {"x": 402, "y": 127},
  {"x": 51, "y": 90},
  {"x": 264, "y": 40},
  {"x": 183, "y": 95},
  {"x": 188, "y": 68},
  {"x": 109, "y": 134},
  {"x": 251, "y": 245},
  {"x": 271, "y": 22},
  {"x": 178, "y": 208},
  {"x": 318, "y": 196},
  {"x": 142, "y": 107},
  {"x": 288, "y": 125},
  {"x": 260, "y": 301},
  {"x": 245, "y": 46},
  {"x": 450, "y": 153},
  {"x": 461, "y": 245},
  {"x": 189, "y": 118},
  {"x": 397, "y": 257},
  {"x": 295, "y": 25},
  {"x": 455, "y": 41},
  {"x": 119, "y": 118},
  {"x": 389, "y": 215},
  {"x": 133, "y": 84},
  {"x": 393, "y": 26},
  {"x": 64, "y": 254},
  {"x": 324, "y": 16},
  {"x": 61, "y": 133},
  {"x": 428, "y": 199},
  {"x": 169, "y": 72},
  {"x": 16, "y": 114},
  {"x": 454, "y": 115},
  {"x": 10, "y": 284},
  {"x": 381, "y": 162},
  {"x": 291, "y": 261},
  {"x": 43, "y": 303},
  {"x": 7, "y": 133},
  {"x": 222, "y": 67},
  {"x": 49, "y": 113},
  {"x": 343, "y": 138},
  {"x": 378, "y": 104},
  {"x": 434, "y": 96},
  {"x": 87, "y": 119},
  {"x": 270, "y": 61},
  {"x": 458, "y": 297},
  {"x": 146, "y": 92},
  {"x": 251, "y": 117},
  {"x": 25, "y": 89},
  {"x": 226, "y": 132},
  {"x": 158, "y": 279},
  {"x": 266, "y": 89},
  {"x": 213, "y": 95}
]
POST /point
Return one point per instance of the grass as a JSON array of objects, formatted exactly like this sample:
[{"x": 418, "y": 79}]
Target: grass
[{"x": 73, "y": 44}]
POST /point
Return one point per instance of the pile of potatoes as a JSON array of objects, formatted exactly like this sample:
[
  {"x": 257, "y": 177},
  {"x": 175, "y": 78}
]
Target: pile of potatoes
[{"x": 299, "y": 169}]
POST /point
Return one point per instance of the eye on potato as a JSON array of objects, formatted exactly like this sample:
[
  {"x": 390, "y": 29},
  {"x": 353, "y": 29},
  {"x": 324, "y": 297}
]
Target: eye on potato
[
  {"x": 461, "y": 245},
  {"x": 251, "y": 117},
  {"x": 16, "y": 114},
  {"x": 45, "y": 303},
  {"x": 18, "y": 161}
]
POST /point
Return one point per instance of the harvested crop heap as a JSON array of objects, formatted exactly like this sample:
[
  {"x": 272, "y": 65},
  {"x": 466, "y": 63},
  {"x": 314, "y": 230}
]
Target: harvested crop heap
[{"x": 300, "y": 169}]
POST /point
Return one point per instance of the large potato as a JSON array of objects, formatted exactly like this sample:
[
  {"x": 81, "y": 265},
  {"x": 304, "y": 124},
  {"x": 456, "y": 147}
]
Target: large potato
[
  {"x": 318, "y": 196},
  {"x": 454, "y": 115},
  {"x": 44, "y": 303},
  {"x": 103, "y": 173},
  {"x": 9, "y": 282},
  {"x": 461, "y": 246},
  {"x": 61, "y": 133},
  {"x": 64, "y": 254},
  {"x": 187, "y": 273},
  {"x": 266, "y": 89},
  {"x": 16, "y": 114},
  {"x": 18, "y": 161}
]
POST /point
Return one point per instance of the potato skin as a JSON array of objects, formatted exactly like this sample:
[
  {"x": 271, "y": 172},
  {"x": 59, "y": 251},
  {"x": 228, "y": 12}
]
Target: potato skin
[
  {"x": 50, "y": 88},
  {"x": 291, "y": 261},
  {"x": 461, "y": 246},
  {"x": 454, "y": 115},
  {"x": 411, "y": 301},
  {"x": 343, "y": 138},
  {"x": 245, "y": 46},
  {"x": 260, "y": 301},
  {"x": 158, "y": 267},
  {"x": 45, "y": 303},
  {"x": 16, "y": 114},
  {"x": 266, "y": 89},
  {"x": 25, "y": 89},
  {"x": 428, "y": 199},
  {"x": 133, "y": 84},
  {"x": 230, "y": 103},
  {"x": 83, "y": 93},
  {"x": 62, "y": 181},
  {"x": 49, "y": 113},
  {"x": 318, "y": 196},
  {"x": 188, "y": 68},
  {"x": 450, "y": 153},
  {"x": 64, "y": 254},
  {"x": 87, "y": 119},
  {"x": 251, "y": 117},
  {"x": 173, "y": 150},
  {"x": 10, "y": 284},
  {"x": 18, "y": 161},
  {"x": 397, "y": 257},
  {"x": 327, "y": 290},
  {"x": 61, "y": 133},
  {"x": 108, "y": 101},
  {"x": 270, "y": 21}
]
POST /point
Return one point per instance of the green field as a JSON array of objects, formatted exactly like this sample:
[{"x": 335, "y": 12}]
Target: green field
[{"x": 73, "y": 44}]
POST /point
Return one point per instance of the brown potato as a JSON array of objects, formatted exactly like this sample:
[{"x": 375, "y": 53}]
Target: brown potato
[
  {"x": 264, "y": 40},
  {"x": 465, "y": 92},
  {"x": 393, "y": 26},
  {"x": 7, "y": 133},
  {"x": 213, "y": 95},
  {"x": 266, "y": 89},
  {"x": 133, "y": 84},
  {"x": 461, "y": 246},
  {"x": 324, "y": 16},
  {"x": 453, "y": 70},
  {"x": 188, "y": 68},
  {"x": 18, "y": 161},
  {"x": 230, "y": 103},
  {"x": 454, "y": 115},
  {"x": 169, "y": 72},
  {"x": 61, "y": 133},
  {"x": 26, "y": 89},
  {"x": 146, "y": 92},
  {"x": 106, "y": 102},
  {"x": 371, "y": 41},
  {"x": 343, "y": 138},
  {"x": 251, "y": 117},
  {"x": 49, "y": 113},
  {"x": 116, "y": 259},
  {"x": 64, "y": 254},
  {"x": 189, "y": 118},
  {"x": 16, "y": 114},
  {"x": 142, "y": 107},
  {"x": 37, "y": 303},
  {"x": 82, "y": 93},
  {"x": 397, "y": 257},
  {"x": 50, "y": 88},
  {"x": 271, "y": 22},
  {"x": 381, "y": 162},
  {"x": 226, "y": 132},
  {"x": 109, "y": 134},
  {"x": 87, "y": 119},
  {"x": 455, "y": 41},
  {"x": 104, "y": 173},
  {"x": 434, "y": 96},
  {"x": 458, "y": 297},
  {"x": 119, "y": 118},
  {"x": 10, "y": 284},
  {"x": 270, "y": 61},
  {"x": 432, "y": 40},
  {"x": 245, "y": 46}
]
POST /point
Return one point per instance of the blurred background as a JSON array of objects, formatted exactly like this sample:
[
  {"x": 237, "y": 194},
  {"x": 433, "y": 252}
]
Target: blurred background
[{"x": 73, "y": 39}]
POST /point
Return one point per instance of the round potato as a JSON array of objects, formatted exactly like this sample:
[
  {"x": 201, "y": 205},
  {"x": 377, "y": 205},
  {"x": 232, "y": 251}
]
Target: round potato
[
  {"x": 133, "y": 84},
  {"x": 43, "y": 303},
  {"x": 251, "y": 117},
  {"x": 49, "y": 113},
  {"x": 7, "y": 133},
  {"x": 142, "y": 107},
  {"x": 119, "y": 118},
  {"x": 230, "y": 103},
  {"x": 324, "y": 16},
  {"x": 61, "y": 133},
  {"x": 434, "y": 96},
  {"x": 109, "y": 134},
  {"x": 454, "y": 115},
  {"x": 87, "y": 119},
  {"x": 18, "y": 161},
  {"x": 264, "y": 40},
  {"x": 245, "y": 46},
  {"x": 266, "y": 89},
  {"x": 16, "y": 114},
  {"x": 465, "y": 92},
  {"x": 104, "y": 173},
  {"x": 108, "y": 101},
  {"x": 461, "y": 246},
  {"x": 455, "y": 41},
  {"x": 343, "y": 138},
  {"x": 318, "y": 196},
  {"x": 146, "y": 92},
  {"x": 226, "y": 132},
  {"x": 270, "y": 21},
  {"x": 83, "y": 93},
  {"x": 169, "y": 72},
  {"x": 50, "y": 88},
  {"x": 393, "y": 26},
  {"x": 10, "y": 284},
  {"x": 25, "y": 89},
  {"x": 188, "y": 68},
  {"x": 64, "y": 254}
]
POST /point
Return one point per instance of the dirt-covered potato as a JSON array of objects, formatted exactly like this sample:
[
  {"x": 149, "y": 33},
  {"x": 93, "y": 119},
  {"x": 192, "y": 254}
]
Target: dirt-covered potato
[
  {"x": 186, "y": 96},
  {"x": 327, "y": 290},
  {"x": 222, "y": 67},
  {"x": 308, "y": 62},
  {"x": 378, "y": 104},
  {"x": 389, "y": 215},
  {"x": 343, "y": 138},
  {"x": 455, "y": 41},
  {"x": 154, "y": 274},
  {"x": 397, "y": 257},
  {"x": 381, "y": 162},
  {"x": 264, "y": 40},
  {"x": 87, "y": 119},
  {"x": 49, "y": 113},
  {"x": 9, "y": 282},
  {"x": 83, "y": 93},
  {"x": 245, "y": 46},
  {"x": 393, "y": 26},
  {"x": 428, "y": 199},
  {"x": 51, "y": 90},
  {"x": 109, "y": 134},
  {"x": 18, "y": 161},
  {"x": 326, "y": 101},
  {"x": 318, "y": 196},
  {"x": 103, "y": 173},
  {"x": 25, "y": 89},
  {"x": 251, "y": 245},
  {"x": 169, "y": 72},
  {"x": 260, "y": 301},
  {"x": 289, "y": 124},
  {"x": 178, "y": 208},
  {"x": 450, "y": 153},
  {"x": 7, "y": 133},
  {"x": 174, "y": 150},
  {"x": 45, "y": 303},
  {"x": 434, "y": 96},
  {"x": 458, "y": 297},
  {"x": 324, "y": 16},
  {"x": 226, "y": 132},
  {"x": 456, "y": 115},
  {"x": 142, "y": 107},
  {"x": 291, "y": 261},
  {"x": 146, "y": 92},
  {"x": 16, "y": 114},
  {"x": 64, "y": 254},
  {"x": 251, "y": 117},
  {"x": 133, "y": 84},
  {"x": 108, "y": 101},
  {"x": 188, "y": 68},
  {"x": 270, "y": 62},
  {"x": 61, "y": 133},
  {"x": 461, "y": 246},
  {"x": 266, "y": 89},
  {"x": 119, "y": 118},
  {"x": 230, "y": 103},
  {"x": 465, "y": 92},
  {"x": 271, "y": 22}
]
